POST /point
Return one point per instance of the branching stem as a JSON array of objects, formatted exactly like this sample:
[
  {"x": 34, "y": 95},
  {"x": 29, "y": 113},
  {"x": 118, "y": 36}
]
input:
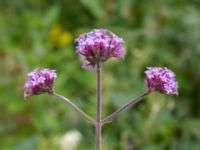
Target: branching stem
[
  {"x": 70, "y": 103},
  {"x": 124, "y": 107}
]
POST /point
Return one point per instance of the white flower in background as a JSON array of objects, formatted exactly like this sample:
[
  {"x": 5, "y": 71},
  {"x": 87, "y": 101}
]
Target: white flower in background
[{"x": 69, "y": 140}]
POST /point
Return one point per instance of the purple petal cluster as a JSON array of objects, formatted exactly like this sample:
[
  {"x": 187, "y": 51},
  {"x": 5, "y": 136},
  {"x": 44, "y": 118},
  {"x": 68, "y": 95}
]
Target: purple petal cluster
[
  {"x": 161, "y": 79},
  {"x": 39, "y": 81},
  {"x": 99, "y": 45}
]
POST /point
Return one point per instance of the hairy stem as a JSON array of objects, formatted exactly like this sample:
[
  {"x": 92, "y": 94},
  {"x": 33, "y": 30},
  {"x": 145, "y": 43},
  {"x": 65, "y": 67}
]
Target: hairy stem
[
  {"x": 98, "y": 113},
  {"x": 124, "y": 107},
  {"x": 70, "y": 103}
]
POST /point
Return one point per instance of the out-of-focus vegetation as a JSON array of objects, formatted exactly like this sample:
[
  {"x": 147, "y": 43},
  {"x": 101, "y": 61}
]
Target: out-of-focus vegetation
[{"x": 40, "y": 33}]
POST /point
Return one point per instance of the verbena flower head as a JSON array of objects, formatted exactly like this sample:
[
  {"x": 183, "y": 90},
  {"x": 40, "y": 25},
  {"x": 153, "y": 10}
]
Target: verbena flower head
[
  {"x": 99, "y": 45},
  {"x": 39, "y": 81},
  {"x": 161, "y": 79}
]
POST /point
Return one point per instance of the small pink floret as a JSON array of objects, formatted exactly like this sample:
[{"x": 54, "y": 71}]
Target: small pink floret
[{"x": 99, "y": 45}]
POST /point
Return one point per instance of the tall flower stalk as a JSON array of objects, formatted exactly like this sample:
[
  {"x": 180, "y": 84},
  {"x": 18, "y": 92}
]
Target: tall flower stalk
[
  {"x": 99, "y": 108},
  {"x": 95, "y": 48}
]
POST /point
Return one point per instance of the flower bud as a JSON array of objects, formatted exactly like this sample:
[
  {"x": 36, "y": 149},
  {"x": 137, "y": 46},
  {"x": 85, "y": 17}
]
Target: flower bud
[
  {"x": 39, "y": 81},
  {"x": 162, "y": 80}
]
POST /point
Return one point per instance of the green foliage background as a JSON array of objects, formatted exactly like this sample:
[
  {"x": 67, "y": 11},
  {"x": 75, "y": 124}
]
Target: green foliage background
[{"x": 157, "y": 33}]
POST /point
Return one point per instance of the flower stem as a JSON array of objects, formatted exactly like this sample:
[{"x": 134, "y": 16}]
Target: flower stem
[
  {"x": 124, "y": 107},
  {"x": 70, "y": 103},
  {"x": 99, "y": 106}
]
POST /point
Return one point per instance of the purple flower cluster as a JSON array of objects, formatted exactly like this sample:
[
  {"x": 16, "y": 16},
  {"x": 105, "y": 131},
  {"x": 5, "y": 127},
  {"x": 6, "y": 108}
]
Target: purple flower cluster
[
  {"x": 98, "y": 46},
  {"x": 39, "y": 81},
  {"x": 161, "y": 79}
]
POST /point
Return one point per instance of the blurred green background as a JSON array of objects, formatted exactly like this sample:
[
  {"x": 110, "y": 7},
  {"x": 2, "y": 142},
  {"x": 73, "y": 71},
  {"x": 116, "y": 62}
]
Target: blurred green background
[{"x": 40, "y": 33}]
